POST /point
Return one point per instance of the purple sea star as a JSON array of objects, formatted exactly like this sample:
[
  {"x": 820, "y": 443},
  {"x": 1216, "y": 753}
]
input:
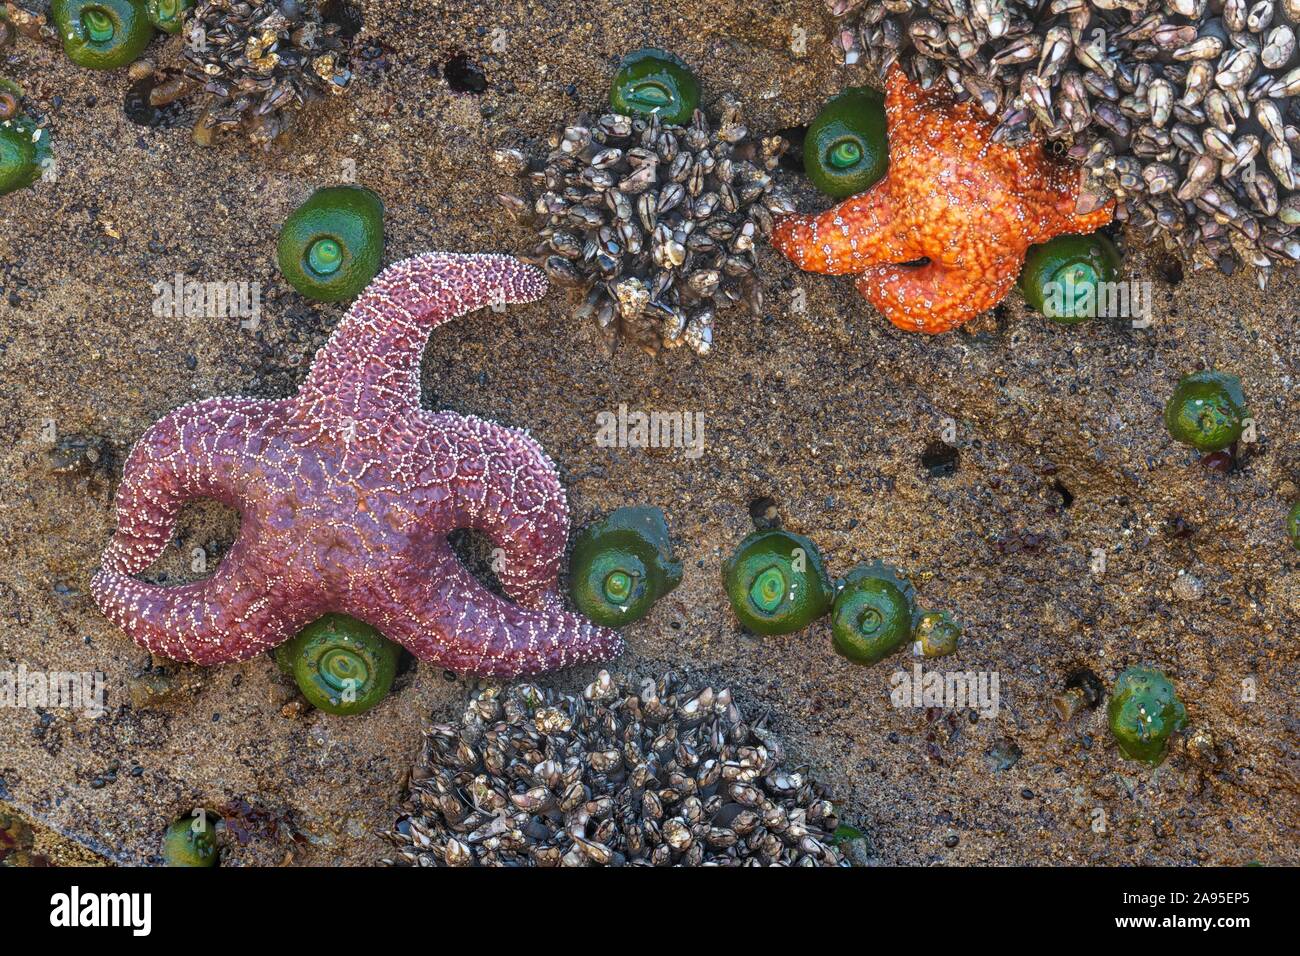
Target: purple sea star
[{"x": 346, "y": 493}]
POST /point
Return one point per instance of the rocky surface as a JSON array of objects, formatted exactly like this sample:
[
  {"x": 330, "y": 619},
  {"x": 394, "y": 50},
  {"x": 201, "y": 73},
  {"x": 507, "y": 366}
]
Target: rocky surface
[{"x": 827, "y": 410}]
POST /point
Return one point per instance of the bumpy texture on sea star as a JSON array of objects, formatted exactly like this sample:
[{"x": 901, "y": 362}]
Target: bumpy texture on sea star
[
  {"x": 346, "y": 493},
  {"x": 953, "y": 196}
]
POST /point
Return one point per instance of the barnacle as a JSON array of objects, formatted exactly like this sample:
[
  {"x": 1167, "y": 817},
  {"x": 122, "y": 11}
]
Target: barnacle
[
  {"x": 262, "y": 60},
  {"x": 651, "y": 227},
  {"x": 663, "y": 775}
]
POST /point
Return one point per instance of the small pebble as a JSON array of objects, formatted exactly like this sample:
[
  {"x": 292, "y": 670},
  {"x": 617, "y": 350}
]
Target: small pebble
[
  {"x": 1188, "y": 587},
  {"x": 1003, "y": 754}
]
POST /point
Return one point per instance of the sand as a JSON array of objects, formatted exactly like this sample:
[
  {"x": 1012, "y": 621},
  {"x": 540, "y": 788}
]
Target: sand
[{"x": 829, "y": 412}]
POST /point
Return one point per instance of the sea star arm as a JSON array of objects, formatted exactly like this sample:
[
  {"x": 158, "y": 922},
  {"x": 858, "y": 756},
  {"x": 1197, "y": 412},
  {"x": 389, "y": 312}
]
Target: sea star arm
[
  {"x": 371, "y": 364},
  {"x": 903, "y": 98},
  {"x": 507, "y": 487},
  {"x": 847, "y": 238},
  {"x": 197, "y": 451},
  {"x": 205, "y": 450},
  {"x": 1066, "y": 183},
  {"x": 444, "y": 616},
  {"x": 1083, "y": 223},
  {"x": 230, "y": 616},
  {"x": 933, "y": 297}
]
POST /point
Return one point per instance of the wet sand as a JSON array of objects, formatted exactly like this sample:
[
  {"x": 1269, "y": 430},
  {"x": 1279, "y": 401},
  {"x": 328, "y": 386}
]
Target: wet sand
[{"x": 1061, "y": 451}]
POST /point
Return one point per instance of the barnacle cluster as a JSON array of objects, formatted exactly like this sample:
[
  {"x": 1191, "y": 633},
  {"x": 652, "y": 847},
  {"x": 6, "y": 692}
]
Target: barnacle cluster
[
  {"x": 1182, "y": 109},
  {"x": 261, "y": 60},
  {"x": 652, "y": 226},
  {"x": 662, "y": 776}
]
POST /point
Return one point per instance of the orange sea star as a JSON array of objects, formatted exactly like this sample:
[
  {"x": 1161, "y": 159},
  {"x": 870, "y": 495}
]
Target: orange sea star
[{"x": 971, "y": 206}]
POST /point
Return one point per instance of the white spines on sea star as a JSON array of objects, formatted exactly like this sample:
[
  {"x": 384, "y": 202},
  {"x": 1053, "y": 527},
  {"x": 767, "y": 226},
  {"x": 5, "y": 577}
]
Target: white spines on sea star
[{"x": 371, "y": 364}]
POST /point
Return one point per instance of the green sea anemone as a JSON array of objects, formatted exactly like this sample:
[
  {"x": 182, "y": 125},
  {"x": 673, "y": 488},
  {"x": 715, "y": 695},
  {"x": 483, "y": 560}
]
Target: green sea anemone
[
  {"x": 1144, "y": 711},
  {"x": 651, "y": 81},
  {"x": 1207, "y": 410},
  {"x": 776, "y": 582},
  {"x": 102, "y": 34},
  {"x": 332, "y": 245},
  {"x": 622, "y": 564},
  {"x": 846, "y": 149},
  {"x": 341, "y": 665},
  {"x": 24, "y": 153},
  {"x": 936, "y": 634},
  {"x": 168, "y": 15},
  {"x": 873, "y": 613},
  {"x": 190, "y": 841},
  {"x": 1062, "y": 278}
]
